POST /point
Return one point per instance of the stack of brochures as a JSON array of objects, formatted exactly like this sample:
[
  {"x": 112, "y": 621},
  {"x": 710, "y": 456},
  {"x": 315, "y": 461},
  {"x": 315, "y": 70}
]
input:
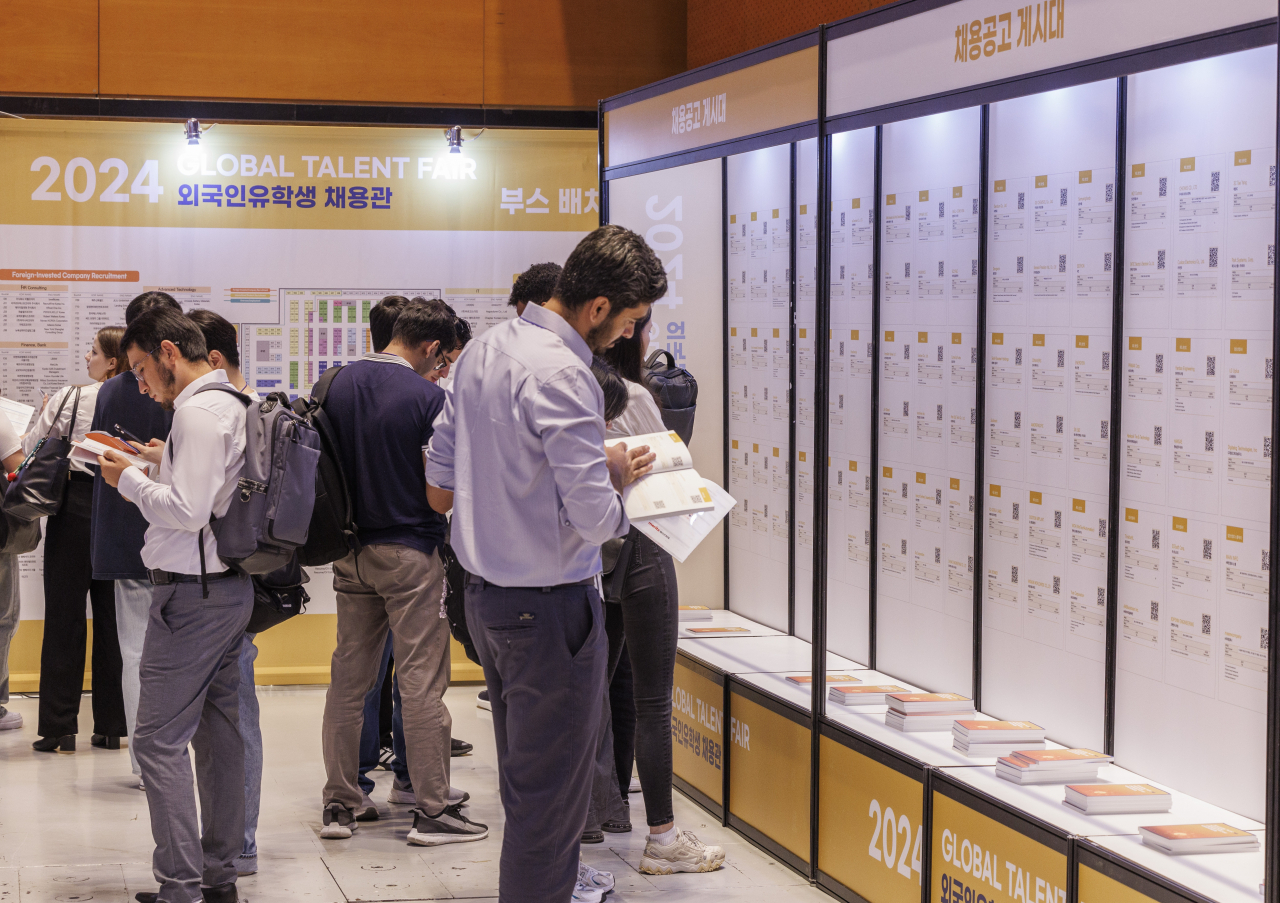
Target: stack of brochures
[
  {"x": 1051, "y": 766},
  {"x": 912, "y": 712},
  {"x": 859, "y": 695},
  {"x": 831, "y": 679},
  {"x": 694, "y": 613},
  {"x": 993, "y": 739},
  {"x": 1118, "y": 799},
  {"x": 1178, "y": 840}
]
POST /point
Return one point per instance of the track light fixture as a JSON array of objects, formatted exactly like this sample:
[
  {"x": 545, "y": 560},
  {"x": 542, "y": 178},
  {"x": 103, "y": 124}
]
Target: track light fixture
[
  {"x": 454, "y": 137},
  {"x": 192, "y": 131}
]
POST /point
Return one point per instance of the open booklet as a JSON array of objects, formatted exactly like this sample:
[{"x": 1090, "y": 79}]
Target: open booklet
[
  {"x": 19, "y": 414},
  {"x": 673, "y": 505},
  {"x": 88, "y": 449},
  {"x": 672, "y": 487}
]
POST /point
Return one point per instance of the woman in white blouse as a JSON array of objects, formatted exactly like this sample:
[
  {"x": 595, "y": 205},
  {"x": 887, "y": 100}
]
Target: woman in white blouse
[{"x": 68, "y": 576}]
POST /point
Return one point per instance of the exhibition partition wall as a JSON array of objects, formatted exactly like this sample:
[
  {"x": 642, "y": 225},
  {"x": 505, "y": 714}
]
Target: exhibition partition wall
[{"x": 1031, "y": 461}]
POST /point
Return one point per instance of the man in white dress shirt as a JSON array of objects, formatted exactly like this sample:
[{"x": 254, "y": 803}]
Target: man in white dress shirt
[{"x": 190, "y": 672}]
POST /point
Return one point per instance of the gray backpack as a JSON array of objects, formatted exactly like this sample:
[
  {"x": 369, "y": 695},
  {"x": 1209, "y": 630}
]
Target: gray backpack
[{"x": 269, "y": 515}]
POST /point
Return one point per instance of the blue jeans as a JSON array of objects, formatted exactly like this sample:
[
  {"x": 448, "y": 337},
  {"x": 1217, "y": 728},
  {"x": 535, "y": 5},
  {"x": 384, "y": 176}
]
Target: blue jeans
[
  {"x": 251, "y": 730},
  {"x": 370, "y": 737}
]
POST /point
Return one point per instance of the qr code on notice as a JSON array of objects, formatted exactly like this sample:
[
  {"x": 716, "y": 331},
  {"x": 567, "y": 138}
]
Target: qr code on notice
[
  {"x": 1017, "y": 420},
  {"x": 904, "y": 490},
  {"x": 1208, "y": 440},
  {"x": 1102, "y": 597},
  {"x": 1106, "y": 262},
  {"x": 1213, "y": 257},
  {"x": 970, "y": 504},
  {"x": 1155, "y": 539},
  {"x": 1159, "y": 363},
  {"x": 1271, "y": 255},
  {"x": 1106, "y": 360},
  {"x": 937, "y": 496},
  {"x": 937, "y": 555},
  {"x": 1273, "y": 177},
  {"x": 1062, "y": 197},
  {"x": 1057, "y": 426},
  {"x": 1266, "y": 559},
  {"x": 1019, "y": 271},
  {"x": 906, "y": 406},
  {"x": 1057, "y": 520},
  {"x": 1157, "y": 437},
  {"x": 1266, "y": 446},
  {"x": 1017, "y": 356},
  {"x": 942, "y": 210},
  {"x": 1215, "y": 181},
  {"x": 904, "y": 547},
  {"x": 1062, "y": 358},
  {"x": 906, "y": 268},
  {"x": 1164, "y": 186},
  {"x": 1206, "y": 549},
  {"x": 1264, "y": 640},
  {"x": 973, "y": 416},
  {"x": 1102, "y": 529},
  {"x": 1206, "y": 625},
  {"x": 975, "y": 200},
  {"x": 1155, "y": 611},
  {"x": 970, "y": 564},
  {"x": 973, "y": 264},
  {"x": 1016, "y": 510},
  {"x": 939, "y": 417},
  {"x": 1013, "y": 575},
  {"x": 1111, "y": 192},
  {"x": 1160, "y": 259},
  {"x": 973, "y": 354},
  {"x": 939, "y": 354},
  {"x": 940, "y": 265},
  {"x": 1211, "y": 365},
  {"x": 1022, "y": 200},
  {"x": 1268, "y": 369},
  {"x": 1105, "y": 429},
  {"x": 1057, "y": 585}
]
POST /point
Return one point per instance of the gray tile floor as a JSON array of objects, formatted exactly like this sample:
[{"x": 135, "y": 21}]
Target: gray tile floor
[{"x": 75, "y": 828}]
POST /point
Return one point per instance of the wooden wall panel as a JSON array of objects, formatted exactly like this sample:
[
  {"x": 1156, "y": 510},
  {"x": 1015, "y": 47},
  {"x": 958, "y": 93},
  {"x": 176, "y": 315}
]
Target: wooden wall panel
[
  {"x": 722, "y": 28},
  {"x": 397, "y": 51},
  {"x": 50, "y": 47},
  {"x": 571, "y": 53}
]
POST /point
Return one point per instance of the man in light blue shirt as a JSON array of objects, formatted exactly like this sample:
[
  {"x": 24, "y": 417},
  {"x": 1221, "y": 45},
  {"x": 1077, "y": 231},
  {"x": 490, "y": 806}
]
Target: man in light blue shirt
[{"x": 519, "y": 452}]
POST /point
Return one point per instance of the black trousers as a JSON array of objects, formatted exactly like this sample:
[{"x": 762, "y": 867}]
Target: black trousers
[
  {"x": 68, "y": 576},
  {"x": 544, "y": 655},
  {"x": 650, "y": 609}
]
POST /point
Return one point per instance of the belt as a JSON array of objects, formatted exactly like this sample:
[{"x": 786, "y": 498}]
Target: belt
[
  {"x": 164, "y": 578},
  {"x": 477, "y": 581}
]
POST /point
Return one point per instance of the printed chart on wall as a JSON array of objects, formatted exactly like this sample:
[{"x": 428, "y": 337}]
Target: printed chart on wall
[
  {"x": 291, "y": 233},
  {"x": 1048, "y": 404},
  {"x": 1195, "y": 481}
]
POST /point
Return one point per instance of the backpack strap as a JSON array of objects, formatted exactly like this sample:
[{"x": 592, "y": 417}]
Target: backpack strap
[
  {"x": 653, "y": 359},
  {"x": 58, "y": 416},
  {"x": 320, "y": 391},
  {"x": 246, "y": 401}
]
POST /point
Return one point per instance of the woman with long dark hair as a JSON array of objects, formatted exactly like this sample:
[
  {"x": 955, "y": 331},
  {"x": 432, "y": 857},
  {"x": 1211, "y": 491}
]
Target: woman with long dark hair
[
  {"x": 647, "y": 622},
  {"x": 68, "y": 576}
]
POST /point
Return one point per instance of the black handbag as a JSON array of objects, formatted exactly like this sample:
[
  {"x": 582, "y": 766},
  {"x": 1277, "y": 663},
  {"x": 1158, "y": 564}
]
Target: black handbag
[
  {"x": 278, "y": 596},
  {"x": 18, "y": 537},
  {"x": 41, "y": 483}
]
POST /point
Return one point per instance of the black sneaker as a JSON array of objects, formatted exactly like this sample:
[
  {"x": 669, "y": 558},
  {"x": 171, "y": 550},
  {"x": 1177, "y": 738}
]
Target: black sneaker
[
  {"x": 450, "y": 826},
  {"x": 339, "y": 822},
  {"x": 621, "y": 824},
  {"x": 482, "y": 700},
  {"x": 459, "y": 747},
  {"x": 592, "y": 837}
]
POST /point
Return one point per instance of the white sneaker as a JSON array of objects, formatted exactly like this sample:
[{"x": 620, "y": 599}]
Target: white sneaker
[
  {"x": 594, "y": 878},
  {"x": 9, "y": 719},
  {"x": 686, "y": 853},
  {"x": 583, "y": 893},
  {"x": 482, "y": 700},
  {"x": 635, "y": 785}
]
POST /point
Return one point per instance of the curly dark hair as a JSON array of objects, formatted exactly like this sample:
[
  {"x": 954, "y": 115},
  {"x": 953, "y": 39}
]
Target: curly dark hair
[
  {"x": 535, "y": 285},
  {"x": 614, "y": 263}
]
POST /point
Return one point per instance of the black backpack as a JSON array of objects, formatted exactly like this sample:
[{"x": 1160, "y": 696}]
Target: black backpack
[
  {"x": 676, "y": 391},
  {"x": 333, "y": 533}
]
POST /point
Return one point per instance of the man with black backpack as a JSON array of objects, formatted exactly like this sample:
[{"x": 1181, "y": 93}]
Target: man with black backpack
[
  {"x": 382, "y": 413},
  {"x": 190, "y": 672}
]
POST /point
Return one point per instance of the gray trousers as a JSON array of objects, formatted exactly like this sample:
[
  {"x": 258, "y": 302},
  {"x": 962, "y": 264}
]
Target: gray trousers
[
  {"x": 544, "y": 653},
  {"x": 10, "y": 606},
  {"x": 133, "y": 612},
  {"x": 190, "y": 683}
]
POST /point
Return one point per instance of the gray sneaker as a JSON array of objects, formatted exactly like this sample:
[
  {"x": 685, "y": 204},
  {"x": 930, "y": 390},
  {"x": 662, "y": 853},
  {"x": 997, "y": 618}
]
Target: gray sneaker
[
  {"x": 450, "y": 826},
  {"x": 684, "y": 854},
  {"x": 401, "y": 795}
]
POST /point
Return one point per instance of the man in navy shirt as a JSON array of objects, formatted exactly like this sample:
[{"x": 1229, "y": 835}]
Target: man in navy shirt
[
  {"x": 118, "y": 528},
  {"x": 382, "y": 410}
]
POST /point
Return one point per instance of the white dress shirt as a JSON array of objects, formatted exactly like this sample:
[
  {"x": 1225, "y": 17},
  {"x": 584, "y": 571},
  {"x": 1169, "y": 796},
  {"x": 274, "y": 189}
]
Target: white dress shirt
[
  {"x": 84, "y": 417},
  {"x": 208, "y": 438},
  {"x": 10, "y": 441},
  {"x": 641, "y": 416},
  {"x": 521, "y": 444}
]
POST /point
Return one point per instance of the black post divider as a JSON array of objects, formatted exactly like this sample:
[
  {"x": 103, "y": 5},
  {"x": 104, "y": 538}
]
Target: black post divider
[
  {"x": 725, "y": 707},
  {"x": 821, "y": 446},
  {"x": 980, "y": 402},
  {"x": 873, "y": 556},
  {"x": 1116, "y": 447},
  {"x": 792, "y": 401},
  {"x": 1073, "y": 871},
  {"x": 604, "y": 184},
  {"x": 1271, "y": 890},
  {"x": 926, "y": 835},
  {"x": 724, "y": 363}
]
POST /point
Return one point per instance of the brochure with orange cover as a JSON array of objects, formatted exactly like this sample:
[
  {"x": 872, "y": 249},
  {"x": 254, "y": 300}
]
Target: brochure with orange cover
[
  {"x": 938, "y": 703},
  {"x": 1209, "y": 831},
  {"x": 831, "y": 678},
  {"x": 1050, "y": 758},
  {"x": 999, "y": 726},
  {"x": 849, "y": 690},
  {"x": 1108, "y": 790}
]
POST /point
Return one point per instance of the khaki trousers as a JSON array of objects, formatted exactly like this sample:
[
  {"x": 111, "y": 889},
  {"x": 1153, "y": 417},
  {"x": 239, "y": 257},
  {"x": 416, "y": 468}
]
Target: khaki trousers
[{"x": 389, "y": 586}]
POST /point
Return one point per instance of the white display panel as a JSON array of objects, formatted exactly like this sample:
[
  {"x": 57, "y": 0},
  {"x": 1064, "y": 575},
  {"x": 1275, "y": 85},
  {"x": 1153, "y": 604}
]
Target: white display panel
[
  {"x": 1051, "y": 206},
  {"x": 928, "y": 352},
  {"x": 1195, "y": 481},
  {"x": 849, "y": 483},
  {"x": 678, "y": 210},
  {"x": 806, "y": 360},
  {"x": 759, "y": 252}
]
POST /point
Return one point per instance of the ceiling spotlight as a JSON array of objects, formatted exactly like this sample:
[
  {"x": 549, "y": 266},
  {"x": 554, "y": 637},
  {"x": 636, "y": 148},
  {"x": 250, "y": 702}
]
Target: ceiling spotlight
[
  {"x": 454, "y": 137},
  {"x": 192, "y": 131}
]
